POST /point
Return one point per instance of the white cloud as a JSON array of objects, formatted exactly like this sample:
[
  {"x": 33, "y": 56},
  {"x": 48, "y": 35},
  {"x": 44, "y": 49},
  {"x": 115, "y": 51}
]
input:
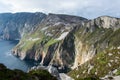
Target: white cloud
[{"x": 85, "y": 8}]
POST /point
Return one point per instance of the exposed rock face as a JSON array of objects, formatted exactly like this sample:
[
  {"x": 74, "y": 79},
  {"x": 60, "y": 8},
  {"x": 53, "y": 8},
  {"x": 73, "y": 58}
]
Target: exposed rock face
[
  {"x": 100, "y": 40},
  {"x": 69, "y": 41},
  {"x": 102, "y": 65},
  {"x": 14, "y": 26},
  {"x": 94, "y": 37},
  {"x": 106, "y": 22},
  {"x": 52, "y": 42}
]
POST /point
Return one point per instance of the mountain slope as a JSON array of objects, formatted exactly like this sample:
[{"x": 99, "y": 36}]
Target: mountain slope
[
  {"x": 48, "y": 44},
  {"x": 14, "y": 26},
  {"x": 62, "y": 41},
  {"x": 100, "y": 45},
  {"x": 95, "y": 36}
]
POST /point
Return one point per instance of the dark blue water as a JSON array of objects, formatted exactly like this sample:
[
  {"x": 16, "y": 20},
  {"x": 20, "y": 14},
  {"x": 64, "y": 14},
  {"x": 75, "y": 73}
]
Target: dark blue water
[{"x": 9, "y": 60}]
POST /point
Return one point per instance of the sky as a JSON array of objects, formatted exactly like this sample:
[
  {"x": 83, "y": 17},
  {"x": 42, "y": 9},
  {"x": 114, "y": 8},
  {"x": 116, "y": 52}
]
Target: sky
[{"x": 84, "y": 8}]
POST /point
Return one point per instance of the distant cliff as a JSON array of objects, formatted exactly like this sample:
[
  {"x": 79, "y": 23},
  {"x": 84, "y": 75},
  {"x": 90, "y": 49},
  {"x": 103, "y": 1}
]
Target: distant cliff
[{"x": 14, "y": 26}]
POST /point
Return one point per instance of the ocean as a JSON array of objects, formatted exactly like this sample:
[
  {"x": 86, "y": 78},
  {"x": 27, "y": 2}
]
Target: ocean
[{"x": 11, "y": 61}]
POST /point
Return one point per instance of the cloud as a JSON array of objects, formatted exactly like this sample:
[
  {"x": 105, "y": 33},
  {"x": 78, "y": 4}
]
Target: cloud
[
  {"x": 85, "y": 8},
  {"x": 4, "y": 7}
]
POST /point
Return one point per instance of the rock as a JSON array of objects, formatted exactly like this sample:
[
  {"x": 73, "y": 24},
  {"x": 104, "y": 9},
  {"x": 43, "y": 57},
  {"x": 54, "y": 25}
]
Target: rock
[
  {"x": 116, "y": 77},
  {"x": 115, "y": 71},
  {"x": 65, "y": 77},
  {"x": 109, "y": 64},
  {"x": 118, "y": 47},
  {"x": 77, "y": 76},
  {"x": 110, "y": 54},
  {"x": 90, "y": 68},
  {"x": 53, "y": 71},
  {"x": 111, "y": 61},
  {"x": 107, "y": 22},
  {"x": 41, "y": 67}
]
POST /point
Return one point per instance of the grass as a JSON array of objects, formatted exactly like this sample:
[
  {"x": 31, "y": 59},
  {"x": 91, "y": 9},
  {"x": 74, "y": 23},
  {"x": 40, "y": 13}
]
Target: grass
[
  {"x": 7, "y": 74},
  {"x": 42, "y": 74},
  {"x": 100, "y": 63},
  {"x": 99, "y": 38},
  {"x": 51, "y": 42},
  {"x": 102, "y": 40},
  {"x": 118, "y": 72}
]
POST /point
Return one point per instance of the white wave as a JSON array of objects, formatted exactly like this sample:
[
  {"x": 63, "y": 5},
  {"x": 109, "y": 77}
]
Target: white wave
[{"x": 8, "y": 53}]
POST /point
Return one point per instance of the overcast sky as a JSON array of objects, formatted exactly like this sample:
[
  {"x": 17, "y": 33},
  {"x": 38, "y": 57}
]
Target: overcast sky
[{"x": 84, "y": 8}]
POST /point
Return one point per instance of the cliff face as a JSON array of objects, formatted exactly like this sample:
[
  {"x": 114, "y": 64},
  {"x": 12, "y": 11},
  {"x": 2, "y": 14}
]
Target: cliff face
[
  {"x": 95, "y": 36},
  {"x": 52, "y": 42},
  {"x": 14, "y": 26},
  {"x": 66, "y": 42},
  {"x": 99, "y": 45},
  {"x": 69, "y": 41}
]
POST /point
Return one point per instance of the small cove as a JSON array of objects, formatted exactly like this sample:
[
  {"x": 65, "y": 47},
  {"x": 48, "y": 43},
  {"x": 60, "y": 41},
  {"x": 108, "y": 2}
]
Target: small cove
[{"x": 11, "y": 61}]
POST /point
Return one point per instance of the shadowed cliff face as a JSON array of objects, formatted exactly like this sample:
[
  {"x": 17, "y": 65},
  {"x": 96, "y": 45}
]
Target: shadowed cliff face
[
  {"x": 69, "y": 41},
  {"x": 14, "y": 26}
]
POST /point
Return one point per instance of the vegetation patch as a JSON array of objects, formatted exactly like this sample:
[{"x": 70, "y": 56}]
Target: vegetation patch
[
  {"x": 7, "y": 74},
  {"x": 104, "y": 63},
  {"x": 51, "y": 42}
]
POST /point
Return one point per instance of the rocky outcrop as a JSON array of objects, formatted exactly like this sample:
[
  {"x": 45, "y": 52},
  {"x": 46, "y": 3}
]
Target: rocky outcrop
[
  {"x": 14, "y": 26},
  {"x": 53, "y": 71},
  {"x": 105, "y": 22}
]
